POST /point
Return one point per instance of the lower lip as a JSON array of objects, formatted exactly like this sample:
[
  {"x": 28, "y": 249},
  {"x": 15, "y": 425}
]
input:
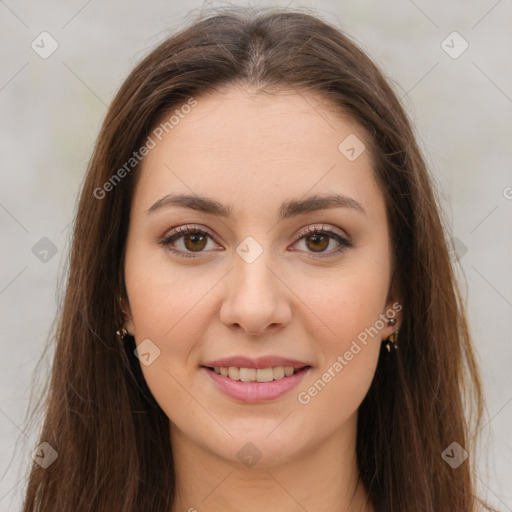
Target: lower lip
[{"x": 256, "y": 392}]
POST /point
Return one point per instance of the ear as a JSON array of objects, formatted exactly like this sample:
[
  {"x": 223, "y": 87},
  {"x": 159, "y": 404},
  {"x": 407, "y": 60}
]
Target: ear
[
  {"x": 393, "y": 309},
  {"x": 127, "y": 316}
]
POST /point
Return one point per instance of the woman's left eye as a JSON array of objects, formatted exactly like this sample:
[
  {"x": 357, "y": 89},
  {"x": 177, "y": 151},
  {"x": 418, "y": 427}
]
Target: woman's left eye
[
  {"x": 320, "y": 238},
  {"x": 195, "y": 240}
]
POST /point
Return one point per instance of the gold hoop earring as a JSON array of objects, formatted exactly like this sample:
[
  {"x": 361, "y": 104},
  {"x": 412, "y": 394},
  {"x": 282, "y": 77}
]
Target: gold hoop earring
[
  {"x": 122, "y": 334},
  {"x": 392, "y": 338}
]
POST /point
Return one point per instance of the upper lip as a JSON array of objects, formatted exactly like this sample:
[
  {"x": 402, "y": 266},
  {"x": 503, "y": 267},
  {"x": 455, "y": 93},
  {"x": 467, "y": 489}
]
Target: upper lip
[{"x": 260, "y": 362}]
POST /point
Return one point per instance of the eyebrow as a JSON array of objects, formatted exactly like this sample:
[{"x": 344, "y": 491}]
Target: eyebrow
[{"x": 288, "y": 209}]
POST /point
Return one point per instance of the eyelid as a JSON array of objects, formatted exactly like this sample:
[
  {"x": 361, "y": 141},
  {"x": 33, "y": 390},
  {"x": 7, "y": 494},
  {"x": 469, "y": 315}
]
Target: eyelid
[
  {"x": 188, "y": 227},
  {"x": 315, "y": 227}
]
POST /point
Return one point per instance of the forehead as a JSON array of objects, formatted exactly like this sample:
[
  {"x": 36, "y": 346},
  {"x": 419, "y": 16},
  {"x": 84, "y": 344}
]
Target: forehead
[{"x": 244, "y": 148}]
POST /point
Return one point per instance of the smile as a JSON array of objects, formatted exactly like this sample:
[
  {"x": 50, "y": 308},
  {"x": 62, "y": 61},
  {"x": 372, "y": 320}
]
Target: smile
[
  {"x": 256, "y": 374},
  {"x": 251, "y": 385}
]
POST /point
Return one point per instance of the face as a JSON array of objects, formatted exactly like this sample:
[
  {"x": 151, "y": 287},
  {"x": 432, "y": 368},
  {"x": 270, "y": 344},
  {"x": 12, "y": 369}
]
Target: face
[{"x": 258, "y": 272}]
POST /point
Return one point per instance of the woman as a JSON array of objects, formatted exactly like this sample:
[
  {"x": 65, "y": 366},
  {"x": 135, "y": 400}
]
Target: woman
[{"x": 261, "y": 312}]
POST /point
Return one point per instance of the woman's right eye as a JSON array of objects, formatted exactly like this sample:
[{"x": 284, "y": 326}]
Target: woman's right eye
[{"x": 193, "y": 239}]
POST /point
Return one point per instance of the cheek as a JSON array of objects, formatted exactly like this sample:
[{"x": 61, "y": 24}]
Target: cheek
[
  {"x": 349, "y": 307},
  {"x": 168, "y": 308},
  {"x": 162, "y": 296},
  {"x": 336, "y": 393},
  {"x": 346, "y": 304},
  {"x": 172, "y": 308},
  {"x": 350, "y": 349}
]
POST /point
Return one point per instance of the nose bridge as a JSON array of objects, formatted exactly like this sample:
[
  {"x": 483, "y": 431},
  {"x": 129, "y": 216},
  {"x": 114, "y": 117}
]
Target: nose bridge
[
  {"x": 254, "y": 279},
  {"x": 255, "y": 298}
]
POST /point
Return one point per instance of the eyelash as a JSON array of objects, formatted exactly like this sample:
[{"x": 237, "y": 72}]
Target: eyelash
[{"x": 185, "y": 230}]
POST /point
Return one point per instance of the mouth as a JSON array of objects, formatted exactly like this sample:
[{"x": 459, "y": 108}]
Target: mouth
[
  {"x": 256, "y": 374},
  {"x": 255, "y": 385}
]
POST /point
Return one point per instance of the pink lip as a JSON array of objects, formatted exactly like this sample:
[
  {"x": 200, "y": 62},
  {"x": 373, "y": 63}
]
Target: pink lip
[
  {"x": 261, "y": 362},
  {"x": 256, "y": 392}
]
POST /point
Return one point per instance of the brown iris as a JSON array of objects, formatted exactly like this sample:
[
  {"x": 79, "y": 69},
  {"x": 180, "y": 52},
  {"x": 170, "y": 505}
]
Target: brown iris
[
  {"x": 197, "y": 241},
  {"x": 321, "y": 241}
]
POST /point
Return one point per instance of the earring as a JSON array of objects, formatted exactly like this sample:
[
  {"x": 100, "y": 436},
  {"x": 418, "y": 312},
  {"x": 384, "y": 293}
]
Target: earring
[
  {"x": 122, "y": 334},
  {"x": 392, "y": 337}
]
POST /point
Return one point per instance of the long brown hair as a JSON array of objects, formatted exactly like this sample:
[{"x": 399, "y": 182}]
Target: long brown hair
[{"x": 111, "y": 436}]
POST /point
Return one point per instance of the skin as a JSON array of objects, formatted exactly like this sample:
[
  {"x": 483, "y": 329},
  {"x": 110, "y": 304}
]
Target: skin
[{"x": 253, "y": 152}]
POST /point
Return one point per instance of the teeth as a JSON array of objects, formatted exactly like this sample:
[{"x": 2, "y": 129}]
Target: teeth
[
  {"x": 278, "y": 372},
  {"x": 256, "y": 375},
  {"x": 234, "y": 373},
  {"x": 247, "y": 374},
  {"x": 264, "y": 374}
]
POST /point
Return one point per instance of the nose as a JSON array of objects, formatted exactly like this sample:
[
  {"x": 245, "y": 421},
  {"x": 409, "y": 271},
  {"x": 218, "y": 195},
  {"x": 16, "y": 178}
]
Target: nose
[{"x": 257, "y": 300}]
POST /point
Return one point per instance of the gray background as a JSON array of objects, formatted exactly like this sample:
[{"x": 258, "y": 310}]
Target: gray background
[{"x": 51, "y": 110}]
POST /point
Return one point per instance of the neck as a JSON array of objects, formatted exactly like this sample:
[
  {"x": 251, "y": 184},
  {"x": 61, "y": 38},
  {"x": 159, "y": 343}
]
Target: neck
[{"x": 323, "y": 478}]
